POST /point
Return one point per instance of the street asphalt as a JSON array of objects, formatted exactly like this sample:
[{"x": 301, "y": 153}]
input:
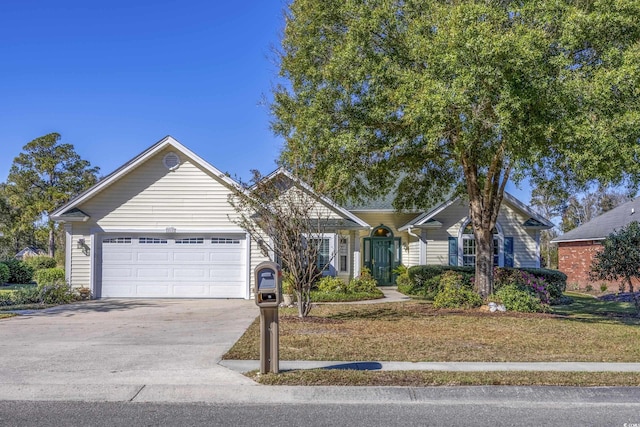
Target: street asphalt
[{"x": 171, "y": 350}]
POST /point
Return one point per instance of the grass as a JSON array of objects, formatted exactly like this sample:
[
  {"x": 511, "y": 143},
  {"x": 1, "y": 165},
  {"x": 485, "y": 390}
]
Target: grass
[
  {"x": 11, "y": 288},
  {"x": 415, "y": 331},
  {"x": 7, "y": 315},
  {"x": 345, "y": 297},
  {"x": 317, "y": 377},
  {"x": 589, "y": 330},
  {"x": 588, "y": 307}
]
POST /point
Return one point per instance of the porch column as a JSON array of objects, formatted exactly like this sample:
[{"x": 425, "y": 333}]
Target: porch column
[{"x": 357, "y": 262}]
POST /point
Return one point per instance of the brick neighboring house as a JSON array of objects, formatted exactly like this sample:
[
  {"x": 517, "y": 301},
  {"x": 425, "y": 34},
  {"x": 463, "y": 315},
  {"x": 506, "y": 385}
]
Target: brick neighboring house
[{"x": 577, "y": 248}]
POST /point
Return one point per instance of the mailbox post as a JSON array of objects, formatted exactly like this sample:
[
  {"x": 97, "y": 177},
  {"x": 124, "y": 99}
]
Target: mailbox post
[{"x": 268, "y": 291}]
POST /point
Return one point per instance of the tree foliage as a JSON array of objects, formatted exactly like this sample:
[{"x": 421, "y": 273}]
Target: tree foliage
[
  {"x": 44, "y": 176},
  {"x": 620, "y": 259},
  {"x": 285, "y": 220},
  {"x": 579, "y": 209},
  {"x": 436, "y": 98}
]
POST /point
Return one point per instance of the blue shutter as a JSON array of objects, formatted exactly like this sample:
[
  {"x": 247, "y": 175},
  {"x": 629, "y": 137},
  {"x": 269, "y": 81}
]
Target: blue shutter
[
  {"x": 508, "y": 251},
  {"x": 453, "y": 251}
]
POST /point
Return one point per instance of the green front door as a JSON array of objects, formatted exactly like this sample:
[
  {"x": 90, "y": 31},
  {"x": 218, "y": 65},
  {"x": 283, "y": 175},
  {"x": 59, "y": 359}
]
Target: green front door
[
  {"x": 382, "y": 260},
  {"x": 382, "y": 255}
]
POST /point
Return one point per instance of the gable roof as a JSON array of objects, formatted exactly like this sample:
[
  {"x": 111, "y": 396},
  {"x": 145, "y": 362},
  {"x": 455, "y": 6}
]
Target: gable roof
[
  {"x": 350, "y": 221},
  {"x": 603, "y": 225},
  {"x": 69, "y": 209},
  {"x": 426, "y": 220}
]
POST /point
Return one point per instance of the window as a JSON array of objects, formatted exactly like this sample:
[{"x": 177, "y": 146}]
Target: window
[
  {"x": 190, "y": 241},
  {"x": 324, "y": 252},
  {"x": 224, "y": 241},
  {"x": 469, "y": 247},
  {"x": 344, "y": 255},
  {"x": 117, "y": 240},
  {"x": 151, "y": 241}
]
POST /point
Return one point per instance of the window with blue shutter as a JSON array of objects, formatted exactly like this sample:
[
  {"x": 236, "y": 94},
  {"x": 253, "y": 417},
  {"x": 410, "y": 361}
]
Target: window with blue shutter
[
  {"x": 453, "y": 251},
  {"x": 508, "y": 251}
]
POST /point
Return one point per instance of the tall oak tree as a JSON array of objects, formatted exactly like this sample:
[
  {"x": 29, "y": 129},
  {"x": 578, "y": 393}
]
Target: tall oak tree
[{"x": 434, "y": 98}]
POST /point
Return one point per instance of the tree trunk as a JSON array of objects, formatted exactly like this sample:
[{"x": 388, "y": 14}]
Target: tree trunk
[
  {"x": 484, "y": 262},
  {"x": 304, "y": 303}
]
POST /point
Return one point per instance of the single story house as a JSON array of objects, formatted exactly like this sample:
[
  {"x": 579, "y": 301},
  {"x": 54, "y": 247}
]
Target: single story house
[
  {"x": 161, "y": 226},
  {"x": 577, "y": 248},
  {"x": 29, "y": 251}
]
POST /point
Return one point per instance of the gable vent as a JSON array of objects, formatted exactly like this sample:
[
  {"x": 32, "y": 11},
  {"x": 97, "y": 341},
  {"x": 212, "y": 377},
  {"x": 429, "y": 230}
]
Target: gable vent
[{"x": 171, "y": 161}]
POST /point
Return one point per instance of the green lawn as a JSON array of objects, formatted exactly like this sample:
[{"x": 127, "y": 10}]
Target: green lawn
[
  {"x": 589, "y": 307},
  {"x": 8, "y": 288}
]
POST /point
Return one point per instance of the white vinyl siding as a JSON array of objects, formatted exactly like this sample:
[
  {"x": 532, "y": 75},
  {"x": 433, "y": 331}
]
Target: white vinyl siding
[
  {"x": 80, "y": 255},
  {"x": 153, "y": 197},
  {"x": 455, "y": 216},
  {"x": 412, "y": 257}
]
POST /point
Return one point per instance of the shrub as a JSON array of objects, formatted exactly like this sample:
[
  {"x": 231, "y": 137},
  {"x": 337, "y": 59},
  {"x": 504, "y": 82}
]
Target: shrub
[
  {"x": 19, "y": 272},
  {"x": 455, "y": 293},
  {"x": 364, "y": 283},
  {"x": 516, "y": 299},
  {"x": 556, "y": 280},
  {"x": 39, "y": 262},
  {"x": 421, "y": 273},
  {"x": 425, "y": 279},
  {"x": 4, "y": 274},
  {"x": 56, "y": 293},
  {"x": 26, "y": 295},
  {"x": 49, "y": 276},
  {"x": 402, "y": 276},
  {"x": 330, "y": 284},
  {"x": 524, "y": 281},
  {"x": 6, "y": 298}
]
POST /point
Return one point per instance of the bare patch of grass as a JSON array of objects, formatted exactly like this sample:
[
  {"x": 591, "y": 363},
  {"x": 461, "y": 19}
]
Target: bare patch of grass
[
  {"x": 416, "y": 332},
  {"x": 338, "y": 377}
]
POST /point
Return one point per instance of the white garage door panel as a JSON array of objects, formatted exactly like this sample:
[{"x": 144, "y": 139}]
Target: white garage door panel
[
  {"x": 190, "y": 256},
  {"x": 162, "y": 256},
  {"x": 152, "y": 273},
  {"x": 118, "y": 272},
  {"x": 157, "y": 266},
  {"x": 118, "y": 256},
  {"x": 186, "y": 273}
]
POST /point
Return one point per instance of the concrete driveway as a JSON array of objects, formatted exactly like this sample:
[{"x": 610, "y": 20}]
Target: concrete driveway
[{"x": 123, "y": 342}]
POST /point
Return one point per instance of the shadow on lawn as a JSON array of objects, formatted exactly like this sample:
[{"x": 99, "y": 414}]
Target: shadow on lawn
[{"x": 378, "y": 313}]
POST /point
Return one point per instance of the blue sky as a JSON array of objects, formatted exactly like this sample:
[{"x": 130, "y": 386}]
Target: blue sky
[{"x": 115, "y": 77}]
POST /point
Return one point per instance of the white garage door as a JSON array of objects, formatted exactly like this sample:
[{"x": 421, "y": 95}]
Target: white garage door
[{"x": 156, "y": 266}]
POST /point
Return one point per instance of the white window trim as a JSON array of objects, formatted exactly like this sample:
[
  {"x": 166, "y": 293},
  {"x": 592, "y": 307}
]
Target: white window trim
[
  {"x": 332, "y": 237},
  {"x": 347, "y": 239},
  {"x": 462, "y": 237}
]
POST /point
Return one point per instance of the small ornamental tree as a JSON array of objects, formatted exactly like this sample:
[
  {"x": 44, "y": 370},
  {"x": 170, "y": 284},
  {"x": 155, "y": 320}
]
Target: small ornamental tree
[
  {"x": 620, "y": 259},
  {"x": 285, "y": 219}
]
